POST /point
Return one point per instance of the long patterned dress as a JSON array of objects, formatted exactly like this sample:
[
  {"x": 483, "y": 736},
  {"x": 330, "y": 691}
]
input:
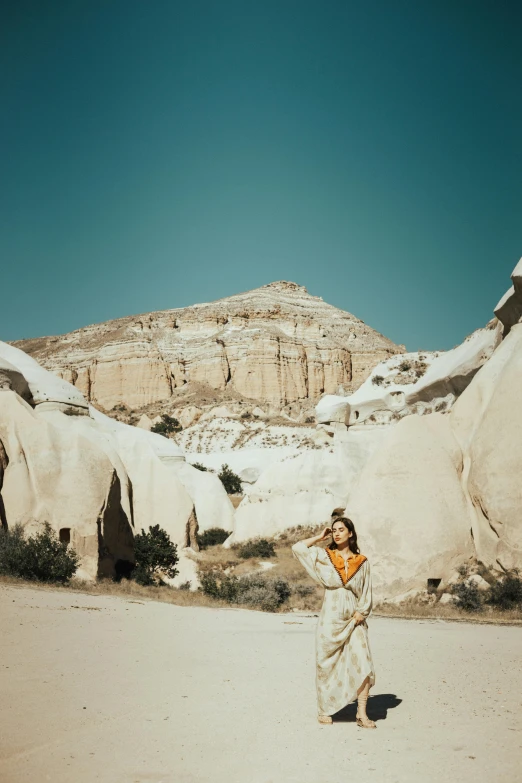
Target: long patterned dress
[{"x": 343, "y": 656}]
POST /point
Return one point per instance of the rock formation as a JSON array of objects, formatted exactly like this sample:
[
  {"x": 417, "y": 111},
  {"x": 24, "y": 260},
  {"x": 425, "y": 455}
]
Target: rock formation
[
  {"x": 428, "y": 486},
  {"x": 62, "y": 478},
  {"x": 92, "y": 478},
  {"x": 274, "y": 345},
  {"x": 413, "y": 383}
]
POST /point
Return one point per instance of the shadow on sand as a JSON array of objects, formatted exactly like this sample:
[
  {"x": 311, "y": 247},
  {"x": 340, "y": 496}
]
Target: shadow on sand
[{"x": 377, "y": 708}]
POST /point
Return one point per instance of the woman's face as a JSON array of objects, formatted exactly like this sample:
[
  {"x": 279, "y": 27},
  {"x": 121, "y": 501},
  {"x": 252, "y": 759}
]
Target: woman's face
[{"x": 340, "y": 533}]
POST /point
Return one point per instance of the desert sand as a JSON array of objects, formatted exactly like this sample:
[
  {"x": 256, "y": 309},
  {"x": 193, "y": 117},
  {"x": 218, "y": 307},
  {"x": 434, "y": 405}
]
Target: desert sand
[{"x": 122, "y": 691}]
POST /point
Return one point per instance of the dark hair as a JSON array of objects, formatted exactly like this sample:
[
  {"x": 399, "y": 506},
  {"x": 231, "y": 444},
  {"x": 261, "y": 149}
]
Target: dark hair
[
  {"x": 336, "y": 513},
  {"x": 352, "y": 541}
]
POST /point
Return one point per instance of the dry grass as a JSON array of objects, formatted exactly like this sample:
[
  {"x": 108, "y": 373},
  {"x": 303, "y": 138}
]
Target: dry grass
[
  {"x": 417, "y": 611},
  {"x": 306, "y": 596},
  {"x": 124, "y": 589}
]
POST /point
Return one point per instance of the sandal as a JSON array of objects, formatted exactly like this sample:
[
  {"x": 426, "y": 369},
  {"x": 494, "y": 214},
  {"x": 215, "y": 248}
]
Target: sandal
[
  {"x": 325, "y": 719},
  {"x": 370, "y": 724}
]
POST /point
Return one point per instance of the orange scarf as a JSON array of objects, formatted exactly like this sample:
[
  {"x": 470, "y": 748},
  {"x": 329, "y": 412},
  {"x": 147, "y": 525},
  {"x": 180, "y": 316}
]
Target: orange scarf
[{"x": 352, "y": 565}]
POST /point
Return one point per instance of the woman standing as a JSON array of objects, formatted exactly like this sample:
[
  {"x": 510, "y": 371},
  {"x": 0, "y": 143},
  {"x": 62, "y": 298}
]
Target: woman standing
[{"x": 343, "y": 658}]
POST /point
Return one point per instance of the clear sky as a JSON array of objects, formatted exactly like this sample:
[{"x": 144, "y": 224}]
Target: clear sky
[{"x": 157, "y": 153}]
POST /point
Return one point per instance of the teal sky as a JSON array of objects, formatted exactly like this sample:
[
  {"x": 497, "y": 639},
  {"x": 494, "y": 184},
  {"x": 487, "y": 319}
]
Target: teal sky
[{"x": 157, "y": 153}]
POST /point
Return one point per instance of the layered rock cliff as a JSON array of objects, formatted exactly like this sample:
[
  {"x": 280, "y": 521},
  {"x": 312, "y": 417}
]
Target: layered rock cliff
[{"x": 276, "y": 345}]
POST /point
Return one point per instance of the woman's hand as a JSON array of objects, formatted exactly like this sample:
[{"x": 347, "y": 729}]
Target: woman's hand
[
  {"x": 359, "y": 618},
  {"x": 327, "y": 531}
]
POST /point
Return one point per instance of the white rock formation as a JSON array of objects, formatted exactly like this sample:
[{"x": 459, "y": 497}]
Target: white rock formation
[
  {"x": 509, "y": 309},
  {"x": 393, "y": 389},
  {"x": 12, "y": 378},
  {"x": 212, "y": 505},
  {"x": 145, "y": 423},
  {"x": 45, "y": 387},
  {"x": 488, "y": 425},
  {"x": 64, "y": 479},
  {"x": 151, "y": 482},
  {"x": 409, "y": 506},
  {"x": 304, "y": 489}
]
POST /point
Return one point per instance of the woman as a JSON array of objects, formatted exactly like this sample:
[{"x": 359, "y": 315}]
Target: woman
[{"x": 343, "y": 658}]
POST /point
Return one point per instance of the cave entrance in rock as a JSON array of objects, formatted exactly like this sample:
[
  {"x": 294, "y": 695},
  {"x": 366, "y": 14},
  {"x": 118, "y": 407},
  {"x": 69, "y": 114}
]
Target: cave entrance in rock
[
  {"x": 65, "y": 535},
  {"x": 433, "y": 584}
]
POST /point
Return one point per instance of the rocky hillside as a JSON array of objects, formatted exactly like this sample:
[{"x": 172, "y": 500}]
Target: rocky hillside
[{"x": 276, "y": 345}]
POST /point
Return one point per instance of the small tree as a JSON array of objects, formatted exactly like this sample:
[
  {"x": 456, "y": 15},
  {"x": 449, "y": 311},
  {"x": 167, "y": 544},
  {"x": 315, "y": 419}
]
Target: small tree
[
  {"x": 156, "y": 555},
  {"x": 199, "y": 466},
  {"x": 167, "y": 425},
  {"x": 256, "y": 547},
  {"x": 506, "y": 592},
  {"x": 212, "y": 536},
  {"x": 42, "y": 557},
  {"x": 467, "y": 596},
  {"x": 230, "y": 481}
]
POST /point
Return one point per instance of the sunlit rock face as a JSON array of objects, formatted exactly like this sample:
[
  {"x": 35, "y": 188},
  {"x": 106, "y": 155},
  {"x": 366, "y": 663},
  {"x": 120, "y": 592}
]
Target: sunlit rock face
[
  {"x": 488, "y": 426},
  {"x": 276, "y": 344},
  {"x": 413, "y": 383},
  {"x": 92, "y": 478}
]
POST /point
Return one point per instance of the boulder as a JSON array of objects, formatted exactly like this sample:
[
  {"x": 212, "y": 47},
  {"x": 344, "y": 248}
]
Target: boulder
[
  {"x": 249, "y": 475},
  {"x": 478, "y": 581},
  {"x": 189, "y": 416},
  {"x": 63, "y": 478},
  {"x": 446, "y": 598},
  {"x": 145, "y": 423}
]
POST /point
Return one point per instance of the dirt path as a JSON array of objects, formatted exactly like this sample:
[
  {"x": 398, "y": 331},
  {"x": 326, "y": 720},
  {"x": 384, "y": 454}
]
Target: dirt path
[{"x": 113, "y": 690}]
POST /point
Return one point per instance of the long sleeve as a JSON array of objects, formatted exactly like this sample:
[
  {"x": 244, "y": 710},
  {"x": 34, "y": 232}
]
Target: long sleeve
[
  {"x": 365, "y": 600},
  {"x": 307, "y": 556}
]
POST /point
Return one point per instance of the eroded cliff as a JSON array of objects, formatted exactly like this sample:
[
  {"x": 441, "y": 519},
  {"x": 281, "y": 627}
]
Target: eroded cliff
[{"x": 276, "y": 345}]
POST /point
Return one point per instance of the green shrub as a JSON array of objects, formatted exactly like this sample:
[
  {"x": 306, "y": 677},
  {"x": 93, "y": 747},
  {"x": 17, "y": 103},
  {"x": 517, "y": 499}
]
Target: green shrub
[
  {"x": 256, "y": 547},
  {"x": 212, "y": 537},
  {"x": 167, "y": 425},
  {"x": 156, "y": 555},
  {"x": 467, "y": 596},
  {"x": 304, "y": 590},
  {"x": 259, "y": 590},
  {"x": 506, "y": 592},
  {"x": 199, "y": 466},
  {"x": 220, "y": 586},
  {"x": 184, "y": 585},
  {"x": 255, "y": 590},
  {"x": 230, "y": 481},
  {"x": 377, "y": 380},
  {"x": 41, "y": 556},
  {"x": 404, "y": 366}
]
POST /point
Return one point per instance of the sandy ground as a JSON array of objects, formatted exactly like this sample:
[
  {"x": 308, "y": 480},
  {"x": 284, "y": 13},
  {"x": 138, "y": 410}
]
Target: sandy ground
[{"x": 115, "y": 690}]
